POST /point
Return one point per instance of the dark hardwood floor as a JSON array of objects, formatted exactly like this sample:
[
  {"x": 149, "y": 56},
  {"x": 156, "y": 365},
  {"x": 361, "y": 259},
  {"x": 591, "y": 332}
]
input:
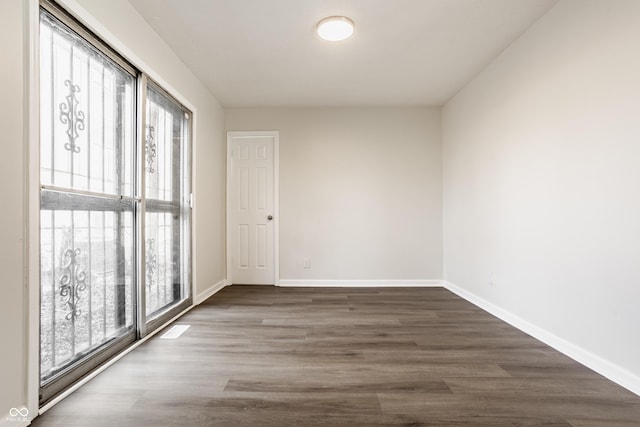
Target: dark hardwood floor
[{"x": 267, "y": 356}]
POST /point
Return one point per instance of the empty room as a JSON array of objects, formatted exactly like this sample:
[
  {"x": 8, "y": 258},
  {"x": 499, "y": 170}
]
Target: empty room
[{"x": 320, "y": 212}]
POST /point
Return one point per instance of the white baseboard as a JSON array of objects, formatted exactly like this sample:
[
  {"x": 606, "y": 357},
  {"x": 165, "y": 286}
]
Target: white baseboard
[
  {"x": 615, "y": 373},
  {"x": 202, "y": 296},
  {"x": 360, "y": 283}
]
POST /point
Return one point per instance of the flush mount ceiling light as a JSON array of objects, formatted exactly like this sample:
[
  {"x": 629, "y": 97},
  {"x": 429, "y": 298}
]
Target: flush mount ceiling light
[{"x": 335, "y": 28}]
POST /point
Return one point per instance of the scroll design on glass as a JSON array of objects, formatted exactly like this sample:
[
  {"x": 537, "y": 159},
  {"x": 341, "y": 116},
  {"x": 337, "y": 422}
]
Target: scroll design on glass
[
  {"x": 151, "y": 261},
  {"x": 72, "y": 283},
  {"x": 150, "y": 148},
  {"x": 71, "y": 116}
]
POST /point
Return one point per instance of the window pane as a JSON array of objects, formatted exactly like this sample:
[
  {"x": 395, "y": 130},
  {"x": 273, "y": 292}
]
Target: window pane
[
  {"x": 87, "y": 281},
  {"x": 167, "y": 202},
  {"x": 87, "y": 115},
  {"x": 165, "y": 145},
  {"x": 87, "y": 250},
  {"x": 163, "y": 279}
]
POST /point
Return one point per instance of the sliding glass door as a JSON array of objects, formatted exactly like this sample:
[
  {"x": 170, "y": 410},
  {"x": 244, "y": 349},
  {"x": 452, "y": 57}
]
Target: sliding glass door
[
  {"x": 167, "y": 202},
  {"x": 114, "y": 203}
]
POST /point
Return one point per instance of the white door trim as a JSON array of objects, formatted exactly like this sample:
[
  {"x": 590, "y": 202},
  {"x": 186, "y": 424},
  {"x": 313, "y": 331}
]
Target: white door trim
[{"x": 276, "y": 199}]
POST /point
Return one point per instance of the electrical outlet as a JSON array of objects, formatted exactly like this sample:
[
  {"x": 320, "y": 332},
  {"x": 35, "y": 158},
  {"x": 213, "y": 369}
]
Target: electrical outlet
[
  {"x": 491, "y": 278},
  {"x": 307, "y": 263}
]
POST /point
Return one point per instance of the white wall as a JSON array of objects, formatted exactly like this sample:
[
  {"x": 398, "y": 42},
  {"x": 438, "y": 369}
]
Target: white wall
[
  {"x": 360, "y": 191},
  {"x": 542, "y": 182},
  {"x": 12, "y": 260},
  {"x": 120, "y": 24}
]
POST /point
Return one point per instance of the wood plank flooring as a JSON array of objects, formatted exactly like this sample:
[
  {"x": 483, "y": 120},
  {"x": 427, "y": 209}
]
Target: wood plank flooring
[{"x": 267, "y": 356}]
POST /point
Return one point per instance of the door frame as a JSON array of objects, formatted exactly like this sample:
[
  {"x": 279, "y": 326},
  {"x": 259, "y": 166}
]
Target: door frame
[{"x": 276, "y": 199}]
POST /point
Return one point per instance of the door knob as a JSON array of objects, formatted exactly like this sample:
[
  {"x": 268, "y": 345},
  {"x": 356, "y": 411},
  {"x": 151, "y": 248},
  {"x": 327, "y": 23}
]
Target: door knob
[{"x": 270, "y": 217}]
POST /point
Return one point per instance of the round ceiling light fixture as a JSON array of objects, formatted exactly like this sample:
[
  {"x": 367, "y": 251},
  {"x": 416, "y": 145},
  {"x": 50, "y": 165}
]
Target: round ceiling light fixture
[{"x": 335, "y": 28}]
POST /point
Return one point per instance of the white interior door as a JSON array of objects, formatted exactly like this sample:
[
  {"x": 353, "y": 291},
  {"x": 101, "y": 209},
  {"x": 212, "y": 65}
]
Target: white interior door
[{"x": 251, "y": 208}]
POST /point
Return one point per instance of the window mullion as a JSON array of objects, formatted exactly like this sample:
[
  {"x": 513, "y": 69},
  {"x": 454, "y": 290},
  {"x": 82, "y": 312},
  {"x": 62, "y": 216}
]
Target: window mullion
[{"x": 140, "y": 218}]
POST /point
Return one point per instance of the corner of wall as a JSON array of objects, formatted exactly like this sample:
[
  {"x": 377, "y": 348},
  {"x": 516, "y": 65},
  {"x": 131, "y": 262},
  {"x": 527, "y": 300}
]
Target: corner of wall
[{"x": 209, "y": 292}]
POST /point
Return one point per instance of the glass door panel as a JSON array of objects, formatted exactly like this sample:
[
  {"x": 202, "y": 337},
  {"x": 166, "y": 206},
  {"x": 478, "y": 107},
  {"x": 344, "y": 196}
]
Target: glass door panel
[
  {"x": 87, "y": 115},
  {"x": 87, "y": 283},
  {"x": 167, "y": 199},
  {"x": 87, "y": 208}
]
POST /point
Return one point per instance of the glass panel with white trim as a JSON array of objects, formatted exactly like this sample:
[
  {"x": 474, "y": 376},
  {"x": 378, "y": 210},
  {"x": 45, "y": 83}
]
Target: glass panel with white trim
[
  {"x": 167, "y": 195},
  {"x": 87, "y": 208}
]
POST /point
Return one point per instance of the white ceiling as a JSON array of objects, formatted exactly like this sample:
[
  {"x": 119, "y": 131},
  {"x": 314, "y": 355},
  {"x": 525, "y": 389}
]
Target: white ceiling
[{"x": 256, "y": 53}]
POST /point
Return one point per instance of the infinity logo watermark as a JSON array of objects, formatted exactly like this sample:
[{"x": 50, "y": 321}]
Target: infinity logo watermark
[{"x": 18, "y": 414}]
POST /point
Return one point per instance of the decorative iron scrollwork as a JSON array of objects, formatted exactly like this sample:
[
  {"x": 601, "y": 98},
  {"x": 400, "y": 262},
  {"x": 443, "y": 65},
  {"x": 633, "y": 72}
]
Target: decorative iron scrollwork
[
  {"x": 150, "y": 148},
  {"x": 71, "y": 116},
  {"x": 72, "y": 283},
  {"x": 150, "y": 261}
]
